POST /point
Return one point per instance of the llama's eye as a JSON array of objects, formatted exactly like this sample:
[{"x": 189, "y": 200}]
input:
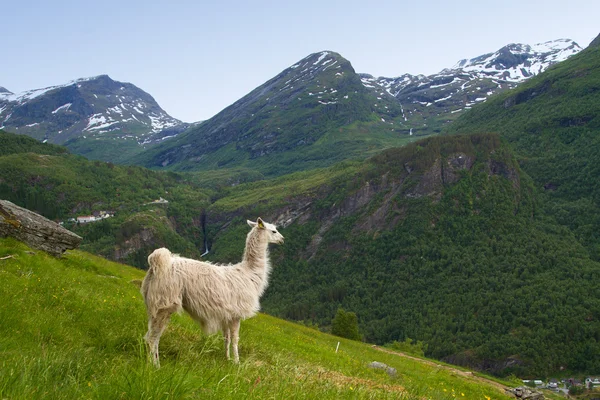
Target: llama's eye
[{"x": 274, "y": 231}]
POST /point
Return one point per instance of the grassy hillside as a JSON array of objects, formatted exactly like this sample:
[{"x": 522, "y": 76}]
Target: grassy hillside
[
  {"x": 553, "y": 123},
  {"x": 72, "y": 328}
]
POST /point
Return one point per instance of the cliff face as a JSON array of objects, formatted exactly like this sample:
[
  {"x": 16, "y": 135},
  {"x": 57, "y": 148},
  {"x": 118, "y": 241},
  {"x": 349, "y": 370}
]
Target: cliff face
[{"x": 382, "y": 194}]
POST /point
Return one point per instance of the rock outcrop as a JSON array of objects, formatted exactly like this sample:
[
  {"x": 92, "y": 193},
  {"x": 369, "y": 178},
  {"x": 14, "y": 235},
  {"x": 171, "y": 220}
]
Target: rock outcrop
[
  {"x": 37, "y": 231},
  {"x": 523, "y": 392},
  {"x": 379, "y": 365}
]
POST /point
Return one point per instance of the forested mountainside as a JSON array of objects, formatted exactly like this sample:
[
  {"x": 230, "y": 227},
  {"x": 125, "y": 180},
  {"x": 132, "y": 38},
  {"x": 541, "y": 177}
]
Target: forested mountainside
[
  {"x": 49, "y": 180},
  {"x": 553, "y": 123},
  {"x": 441, "y": 241}
]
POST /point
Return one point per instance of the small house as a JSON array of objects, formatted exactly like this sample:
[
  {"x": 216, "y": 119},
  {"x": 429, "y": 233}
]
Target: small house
[
  {"x": 592, "y": 382},
  {"x": 84, "y": 219}
]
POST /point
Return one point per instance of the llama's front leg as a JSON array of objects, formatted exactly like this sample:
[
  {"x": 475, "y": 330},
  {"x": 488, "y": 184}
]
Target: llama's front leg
[
  {"x": 235, "y": 333},
  {"x": 227, "y": 338}
]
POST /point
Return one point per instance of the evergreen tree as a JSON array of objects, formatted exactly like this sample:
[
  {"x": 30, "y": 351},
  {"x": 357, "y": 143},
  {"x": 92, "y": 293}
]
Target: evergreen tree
[{"x": 345, "y": 324}]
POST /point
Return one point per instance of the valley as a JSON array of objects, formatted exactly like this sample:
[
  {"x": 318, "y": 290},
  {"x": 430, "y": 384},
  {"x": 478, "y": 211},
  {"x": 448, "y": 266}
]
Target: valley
[{"x": 468, "y": 225}]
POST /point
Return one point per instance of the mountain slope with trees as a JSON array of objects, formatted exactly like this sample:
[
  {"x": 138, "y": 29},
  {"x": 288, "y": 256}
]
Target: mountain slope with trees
[
  {"x": 47, "y": 179},
  {"x": 313, "y": 114},
  {"x": 553, "y": 123}
]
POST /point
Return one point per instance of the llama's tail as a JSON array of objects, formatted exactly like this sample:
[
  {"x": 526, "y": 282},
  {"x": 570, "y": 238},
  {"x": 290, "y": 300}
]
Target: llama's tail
[
  {"x": 160, "y": 261},
  {"x": 161, "y": 291},
  {"x": 158, "y": 272}
]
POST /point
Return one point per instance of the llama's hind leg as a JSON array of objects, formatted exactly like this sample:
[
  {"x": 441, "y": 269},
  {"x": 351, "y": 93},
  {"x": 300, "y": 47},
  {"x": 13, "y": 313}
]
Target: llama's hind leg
[
  {"x": 156, "y": 326},
  {"x": 234, "y": 326},
  {"x": 226, "y": 338}
]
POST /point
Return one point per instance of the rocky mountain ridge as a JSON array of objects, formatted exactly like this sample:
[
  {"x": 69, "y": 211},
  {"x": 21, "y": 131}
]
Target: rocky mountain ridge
[
  {"x": 286, "y": 122},
  {"x": 428, "y": 102}
]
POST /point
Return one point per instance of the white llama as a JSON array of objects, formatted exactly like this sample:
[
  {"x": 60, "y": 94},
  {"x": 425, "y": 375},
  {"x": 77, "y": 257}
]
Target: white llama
[{"x": 217, "y": 296}]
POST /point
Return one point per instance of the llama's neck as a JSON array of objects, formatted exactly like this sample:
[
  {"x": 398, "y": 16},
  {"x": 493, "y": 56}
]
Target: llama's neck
[{"x": 256, "y": 253}]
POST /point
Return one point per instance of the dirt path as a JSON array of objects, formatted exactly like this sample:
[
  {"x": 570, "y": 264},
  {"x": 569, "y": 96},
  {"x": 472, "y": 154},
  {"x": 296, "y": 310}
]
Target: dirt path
[{"x": 466, "y": 374}]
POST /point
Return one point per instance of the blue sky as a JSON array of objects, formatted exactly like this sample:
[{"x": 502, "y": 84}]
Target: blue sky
[{"x": 197, "y": 57}]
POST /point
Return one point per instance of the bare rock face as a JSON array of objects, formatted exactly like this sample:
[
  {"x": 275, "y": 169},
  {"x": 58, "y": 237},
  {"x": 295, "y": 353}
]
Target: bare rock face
[{"x": 37, "y": 231}]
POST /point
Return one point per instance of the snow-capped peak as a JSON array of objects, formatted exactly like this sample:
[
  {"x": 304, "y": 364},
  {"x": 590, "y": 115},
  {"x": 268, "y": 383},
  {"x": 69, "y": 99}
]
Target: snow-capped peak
[
  {"x": 32, "y": 94},
  {"x": 91, "y": 108},
  {"x": 517, "y": 62}
]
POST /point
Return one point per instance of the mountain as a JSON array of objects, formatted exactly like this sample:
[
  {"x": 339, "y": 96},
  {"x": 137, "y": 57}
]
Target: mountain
[
  {"x": 429, "y": 102},
  {"x": 442, "y": 241},
  {"x": 96, "y": 117},
  {"x": 552, "y": 122},
  {"x": 319, "y": 111},
  {"x": 314, "y": 113}
]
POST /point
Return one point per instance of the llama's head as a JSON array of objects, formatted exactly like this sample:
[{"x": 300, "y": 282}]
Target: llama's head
[{"x": 269, "y": 229}]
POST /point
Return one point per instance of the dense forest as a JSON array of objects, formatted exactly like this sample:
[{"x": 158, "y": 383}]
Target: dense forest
[{"x": 481, "y": 275}]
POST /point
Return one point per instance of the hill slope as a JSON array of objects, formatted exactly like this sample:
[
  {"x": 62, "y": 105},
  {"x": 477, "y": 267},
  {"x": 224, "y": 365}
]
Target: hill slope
[
  {"x": 47, "y": 179},
  {"x": 72, "y": 328}
]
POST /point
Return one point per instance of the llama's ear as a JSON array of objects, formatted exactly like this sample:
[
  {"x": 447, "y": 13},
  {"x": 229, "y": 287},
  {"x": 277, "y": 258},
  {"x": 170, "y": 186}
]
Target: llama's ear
[
  {"x": 252, "y": 224},
  {"x": 260, "y": 223}
]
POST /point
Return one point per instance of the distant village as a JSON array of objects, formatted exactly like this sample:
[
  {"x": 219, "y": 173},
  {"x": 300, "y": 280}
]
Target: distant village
[
  {"x": 563, "y": 385},
  {"x": 101, "y": 215},
  {"x": 95, "y": 216}
]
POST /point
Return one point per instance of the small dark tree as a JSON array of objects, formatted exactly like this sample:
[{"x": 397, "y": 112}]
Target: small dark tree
[{"x": 345, "y": 324}]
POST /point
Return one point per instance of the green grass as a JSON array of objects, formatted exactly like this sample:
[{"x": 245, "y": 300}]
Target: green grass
[
  {"x": 273, "y": 192},
  {"x": 72, "y": 328}
]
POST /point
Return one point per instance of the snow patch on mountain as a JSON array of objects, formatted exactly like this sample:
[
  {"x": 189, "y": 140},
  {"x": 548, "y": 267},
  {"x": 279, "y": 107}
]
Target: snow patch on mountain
[{"x": 64, "y": 107}]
